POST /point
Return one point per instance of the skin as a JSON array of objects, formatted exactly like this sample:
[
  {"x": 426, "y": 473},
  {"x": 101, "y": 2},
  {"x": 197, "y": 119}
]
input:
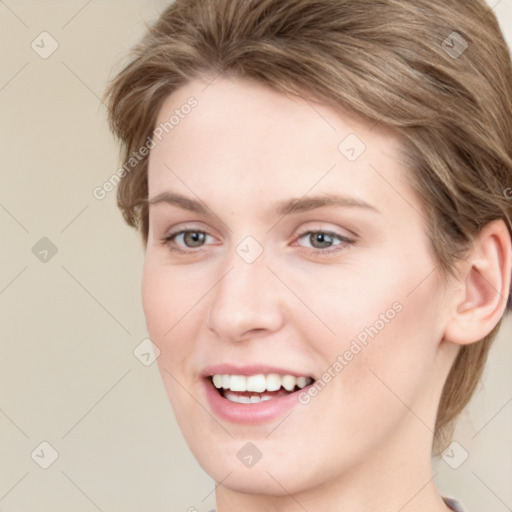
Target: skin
[{"x": 363, "y": 443}]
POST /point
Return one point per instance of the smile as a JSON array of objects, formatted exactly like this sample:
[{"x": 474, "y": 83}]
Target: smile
[
  {"x": 257, "y": 388},
  {"x": 253, "y": 394}
]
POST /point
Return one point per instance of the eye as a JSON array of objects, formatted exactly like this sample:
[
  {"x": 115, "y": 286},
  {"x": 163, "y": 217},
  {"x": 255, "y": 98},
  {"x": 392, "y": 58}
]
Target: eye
[
  {"x": 190, "y": 239},
  {"x": 322, "y": 242}
]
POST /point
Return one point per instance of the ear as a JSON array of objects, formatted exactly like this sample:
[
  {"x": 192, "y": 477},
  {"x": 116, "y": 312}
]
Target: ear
[{"x": 483, "y": 286}]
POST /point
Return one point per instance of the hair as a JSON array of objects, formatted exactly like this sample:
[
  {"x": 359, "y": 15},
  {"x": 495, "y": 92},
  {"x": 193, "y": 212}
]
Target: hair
[{"x": 437, "y": 72}]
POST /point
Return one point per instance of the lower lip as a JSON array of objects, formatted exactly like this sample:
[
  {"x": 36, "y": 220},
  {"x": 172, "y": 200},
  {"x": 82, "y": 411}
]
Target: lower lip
[{"x": 250, "y": 413}]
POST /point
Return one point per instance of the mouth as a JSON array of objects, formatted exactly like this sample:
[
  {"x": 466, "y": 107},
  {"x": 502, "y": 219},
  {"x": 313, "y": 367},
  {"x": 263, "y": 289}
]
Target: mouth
[{"x": 253, "y": 389}]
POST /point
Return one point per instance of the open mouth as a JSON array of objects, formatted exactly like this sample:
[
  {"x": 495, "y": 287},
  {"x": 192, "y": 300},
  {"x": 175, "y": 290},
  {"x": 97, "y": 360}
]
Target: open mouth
[{"x": 257, "y": 388}]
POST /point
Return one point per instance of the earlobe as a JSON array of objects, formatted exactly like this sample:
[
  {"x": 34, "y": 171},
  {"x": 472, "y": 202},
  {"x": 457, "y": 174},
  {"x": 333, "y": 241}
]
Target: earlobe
[{"x": 483, "y": 287}]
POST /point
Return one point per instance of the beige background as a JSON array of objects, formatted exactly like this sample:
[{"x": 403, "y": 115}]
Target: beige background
[{"x": 68, "y": 375}]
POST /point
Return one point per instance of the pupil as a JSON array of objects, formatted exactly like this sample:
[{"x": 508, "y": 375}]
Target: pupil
[
  {"x": 194, "y": 238},
  {"x": 322, "y": 238}
]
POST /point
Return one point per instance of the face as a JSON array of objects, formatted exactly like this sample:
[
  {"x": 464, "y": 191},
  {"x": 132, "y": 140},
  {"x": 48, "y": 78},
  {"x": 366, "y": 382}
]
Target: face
[{"x": 284, "y": 240}]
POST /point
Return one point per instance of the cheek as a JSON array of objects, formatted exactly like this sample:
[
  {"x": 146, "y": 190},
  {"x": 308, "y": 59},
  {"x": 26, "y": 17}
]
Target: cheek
[
  {"x": 155, "y": 300},
  {"x": 166, "y": 298},
  {"x": 169, "y": 301},
  {"x": 168, "y": 295},
  {"x": 385, "y": 336}
]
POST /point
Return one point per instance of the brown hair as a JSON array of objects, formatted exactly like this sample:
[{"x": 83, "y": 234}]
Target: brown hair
[{"x": 436, "y": 71}]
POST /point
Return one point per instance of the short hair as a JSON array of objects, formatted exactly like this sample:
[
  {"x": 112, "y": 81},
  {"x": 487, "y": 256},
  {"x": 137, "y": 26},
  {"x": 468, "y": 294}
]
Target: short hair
[{"x": 437, "y": 72}]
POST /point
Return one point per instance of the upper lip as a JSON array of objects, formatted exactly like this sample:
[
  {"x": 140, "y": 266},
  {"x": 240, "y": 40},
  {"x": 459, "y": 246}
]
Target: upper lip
[{"x": 253, "y": 369}]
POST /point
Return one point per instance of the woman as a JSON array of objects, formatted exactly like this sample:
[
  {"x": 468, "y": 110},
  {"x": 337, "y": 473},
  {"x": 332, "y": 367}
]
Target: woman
[{"x": 321, "y": 188}]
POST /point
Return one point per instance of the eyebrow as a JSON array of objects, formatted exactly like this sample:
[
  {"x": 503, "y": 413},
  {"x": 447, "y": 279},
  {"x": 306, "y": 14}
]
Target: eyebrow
[{"x": 282, "y": 208}]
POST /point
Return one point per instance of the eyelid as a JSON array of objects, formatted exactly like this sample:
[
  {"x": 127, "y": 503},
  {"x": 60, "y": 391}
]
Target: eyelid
[
  {"x": 328, "y": 232},
  {"x": 187, "y": 226},
  {"x": 334, "y": 249},
  {"x": 325, "y": 252},
  {"x": 169, "y": 237}
]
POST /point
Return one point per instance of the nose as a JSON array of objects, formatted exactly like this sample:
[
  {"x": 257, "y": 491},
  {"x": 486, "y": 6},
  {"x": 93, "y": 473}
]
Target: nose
[{"x": 247, "y": 301}]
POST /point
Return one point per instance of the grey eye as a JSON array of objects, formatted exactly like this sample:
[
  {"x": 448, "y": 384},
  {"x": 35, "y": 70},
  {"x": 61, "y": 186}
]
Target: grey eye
[{"x": 192, "y": 238}]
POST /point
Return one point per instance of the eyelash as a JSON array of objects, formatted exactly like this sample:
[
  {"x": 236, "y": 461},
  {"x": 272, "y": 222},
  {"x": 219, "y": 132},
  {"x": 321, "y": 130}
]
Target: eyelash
[{"x": 344, "y": 241}]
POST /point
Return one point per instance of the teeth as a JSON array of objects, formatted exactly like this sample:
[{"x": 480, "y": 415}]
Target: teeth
[
  {"x": 256, "y": 383},
  {"x": 301, "y": 382},
  {"x": 288, "y": 382},
  {"x": 273, "y": 382},
  {"x": 217, "y": 381},
  {"x": 237, "y": 383},
  {"x": 241, "y": 399},
  {"x": 259, "y": 383}
]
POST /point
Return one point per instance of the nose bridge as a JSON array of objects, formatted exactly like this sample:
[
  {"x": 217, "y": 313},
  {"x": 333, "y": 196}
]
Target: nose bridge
[{"x": 245, "y": 298}]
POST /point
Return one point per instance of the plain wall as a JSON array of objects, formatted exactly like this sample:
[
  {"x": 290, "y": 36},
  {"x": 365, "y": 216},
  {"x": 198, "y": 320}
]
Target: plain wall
[{"x": 68, "y": 375}]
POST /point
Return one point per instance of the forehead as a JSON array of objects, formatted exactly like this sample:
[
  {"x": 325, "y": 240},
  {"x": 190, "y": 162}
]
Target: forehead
[{"x": 244, "y": 137}]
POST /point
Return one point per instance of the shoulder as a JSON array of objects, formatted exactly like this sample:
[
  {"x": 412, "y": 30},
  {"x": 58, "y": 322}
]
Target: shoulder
[{"x": 453, "y": 504}]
